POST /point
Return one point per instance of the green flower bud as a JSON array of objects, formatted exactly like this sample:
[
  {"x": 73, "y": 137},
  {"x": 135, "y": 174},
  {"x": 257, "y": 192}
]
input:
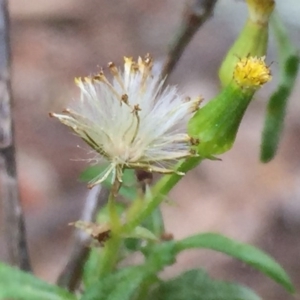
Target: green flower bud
[
  {"x": 253, "y": 39},
  {"x": 216, "y": 124}
]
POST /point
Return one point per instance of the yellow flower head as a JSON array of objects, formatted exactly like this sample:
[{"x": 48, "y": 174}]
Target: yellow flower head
[
  {"x": 260, "y": 10},
  {"x": 251, "y": 72},
  {"x": 131, "y": 121}
]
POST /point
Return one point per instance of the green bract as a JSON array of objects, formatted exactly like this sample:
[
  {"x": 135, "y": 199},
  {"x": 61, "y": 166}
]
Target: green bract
[
  {"x": 216, "y": 124},
  {"x": 253, "y": 39}
]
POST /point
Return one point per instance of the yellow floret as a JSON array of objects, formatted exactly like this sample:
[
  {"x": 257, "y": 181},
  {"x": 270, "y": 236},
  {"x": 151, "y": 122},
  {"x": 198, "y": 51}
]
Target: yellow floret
[{"x": 251, "y": 72}]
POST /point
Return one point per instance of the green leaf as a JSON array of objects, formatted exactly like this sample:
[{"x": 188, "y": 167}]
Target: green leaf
[
  {"x": 91, "y": 267},
  {"x": 142, "y": 233},
  {"x": 244, "y": 252},
  {"x": 91, "y": 172},
  {"x": 122, "y": 285},
  {"x": 128, "y": 282},
  {"x": 160, "y": 255},
  {"x": 18, "y": 285},
  {"x": 128, "y": 189},
  {"x": 288, "y": 67},
  {"x": 132, "y": 244},
  {"x": 196, "y": 285}
]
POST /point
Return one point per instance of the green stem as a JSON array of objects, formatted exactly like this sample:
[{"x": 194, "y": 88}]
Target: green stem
[
  {"x": 112, "y": 246},
  {"x": 114, "y": 218},
  {"x": 110, "y": 255},
  {"x": 160, "y": 190},
  {"x": 145, "y": 287},
  {"x": 157, "y": 222}
]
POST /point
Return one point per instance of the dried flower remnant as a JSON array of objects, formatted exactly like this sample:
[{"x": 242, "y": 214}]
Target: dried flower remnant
[
  {"x": 131, "y": 121},
  {"x": 260, "y": 10},
  {"x": 98, "y": 232}
]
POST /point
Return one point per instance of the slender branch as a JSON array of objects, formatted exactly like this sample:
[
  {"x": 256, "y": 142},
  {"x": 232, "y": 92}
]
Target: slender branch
[
  {"x": 71, "y": 275},
  {"x": 194, "y": 16},
  {"x": 13, "y": 215}
]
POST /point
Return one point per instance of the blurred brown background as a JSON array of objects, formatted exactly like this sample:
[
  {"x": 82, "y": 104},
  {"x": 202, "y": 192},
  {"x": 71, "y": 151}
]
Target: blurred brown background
[{"x": 54, "y": 41}]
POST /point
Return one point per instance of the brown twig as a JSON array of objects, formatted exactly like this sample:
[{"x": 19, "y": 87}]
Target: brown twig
[
  {"x": 13, "y": 215},
  {"x": 194, "y": 16},
  {"x": 71, "y": 275}
]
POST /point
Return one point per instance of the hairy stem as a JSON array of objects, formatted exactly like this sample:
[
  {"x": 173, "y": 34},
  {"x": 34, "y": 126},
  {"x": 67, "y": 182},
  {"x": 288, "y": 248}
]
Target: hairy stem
[
  {"x": 112, "y": 246},
  {"x": 160, "y": 190}
]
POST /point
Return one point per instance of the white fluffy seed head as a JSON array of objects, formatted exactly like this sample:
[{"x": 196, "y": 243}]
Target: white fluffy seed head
[{"x": 131, "y": 121}]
